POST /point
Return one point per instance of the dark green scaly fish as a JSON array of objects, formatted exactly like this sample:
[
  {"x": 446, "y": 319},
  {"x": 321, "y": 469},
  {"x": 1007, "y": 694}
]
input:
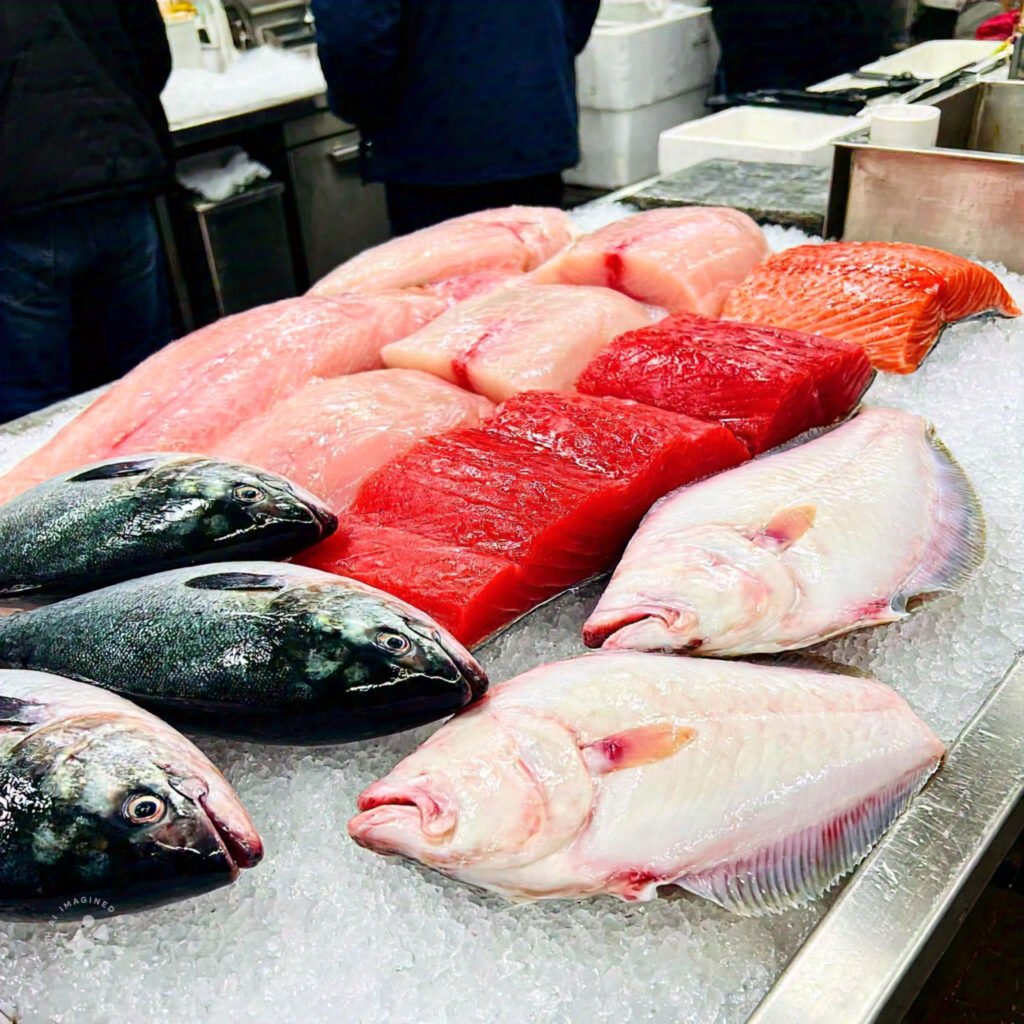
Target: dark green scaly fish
[
  {"x": 124, "y": 518},
  {"x": 102, "y": 805},
  {"x": 254, "y": 649}
]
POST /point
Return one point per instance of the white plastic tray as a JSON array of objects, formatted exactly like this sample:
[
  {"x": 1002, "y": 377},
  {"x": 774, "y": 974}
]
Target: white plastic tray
[
  {"x": 934, "y": 59},
  {"x": 756, "y": 134}
]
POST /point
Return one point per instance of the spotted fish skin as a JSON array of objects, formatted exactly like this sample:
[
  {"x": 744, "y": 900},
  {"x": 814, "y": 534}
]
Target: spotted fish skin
[
  {"x": 128, "y": 517},
  {"x": 254, "y": 649},
  {"x": 104, "y": 806}
]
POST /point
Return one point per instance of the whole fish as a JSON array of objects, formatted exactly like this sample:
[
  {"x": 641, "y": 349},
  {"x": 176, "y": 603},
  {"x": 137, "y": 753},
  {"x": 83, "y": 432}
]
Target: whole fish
[
  {"x": 104, "y": 806},
  {"x": 124, "y": 518},
  {"x": 753, "y": 786},
  {"x": 852, "y": 529},
  {"x": 254, "y": 649}
]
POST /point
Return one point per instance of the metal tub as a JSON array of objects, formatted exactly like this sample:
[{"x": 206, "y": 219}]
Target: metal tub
[{"x": 965, "y": 196}]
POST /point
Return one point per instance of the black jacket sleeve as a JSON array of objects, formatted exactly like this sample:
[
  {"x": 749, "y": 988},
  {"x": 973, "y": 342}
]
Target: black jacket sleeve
[
  {"x": 144, "y": 24},
  {"x": 580, "y": 16},
  {"x": 359, "y": 43}
]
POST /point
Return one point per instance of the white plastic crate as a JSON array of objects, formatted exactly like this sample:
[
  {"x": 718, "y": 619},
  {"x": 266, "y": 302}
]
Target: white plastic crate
[
  {"x": 756, "y": 134},
  {"x": 619, "y": 147},
  {"x": 631, "y": 64}
]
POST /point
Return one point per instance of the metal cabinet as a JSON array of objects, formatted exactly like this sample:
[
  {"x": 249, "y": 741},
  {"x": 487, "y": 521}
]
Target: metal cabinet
[{"x": 338, "y": 216}]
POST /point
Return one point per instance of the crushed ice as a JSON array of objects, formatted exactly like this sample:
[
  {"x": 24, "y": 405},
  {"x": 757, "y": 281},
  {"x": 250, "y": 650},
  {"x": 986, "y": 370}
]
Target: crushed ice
[{"x": 347, "y": 935}]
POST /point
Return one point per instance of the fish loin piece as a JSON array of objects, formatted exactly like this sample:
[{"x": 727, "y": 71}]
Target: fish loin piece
[
  {"x": 511, "y": 239},
  {"x": 537, "y": 337},
  {"x": 332, "y": 433},
  {"x": 552, "y": 484},
  {"x": 849, "y": 530},
  {"x": 765, "y": 384},
  {"x": 254, "y": 649},
  {"x": 471, "y": 286},
  {"x": 754, "y": 786},
  {"x": 471, "y": 593},
  {"x": 129, "y": 517},
  {"x": 891, "y": 298},
  {"x": 685, "y": 260},
  {"x": 104, "y": 802},
  {"x": 196, "y": 390}
]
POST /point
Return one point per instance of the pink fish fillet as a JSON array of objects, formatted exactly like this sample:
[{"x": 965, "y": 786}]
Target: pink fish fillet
[
  {"x": 686, "y": 260},
  {"x": 332, "y": 433},
  {"x": 513, "y": 239},
  {"x": 196, "y": 390},
  {"x": 754, "y": 786},
  {"x": 535, "y": 337}
]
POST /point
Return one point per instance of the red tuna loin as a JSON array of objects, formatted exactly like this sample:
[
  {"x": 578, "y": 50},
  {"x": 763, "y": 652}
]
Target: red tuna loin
[
  {"x": 465, "y": 591},
  {"x": 553, "y": 484},
  {"x": 765, "y": 384}
]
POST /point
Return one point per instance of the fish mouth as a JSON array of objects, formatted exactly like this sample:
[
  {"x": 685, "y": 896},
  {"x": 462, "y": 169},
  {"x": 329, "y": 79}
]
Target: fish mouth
[
  {"x": 243, "y": 848},
  {"x": 474, "y": 675},
  {"x": 325, "y": 519},
  {"x": 390, "y": 813},
  {"x": 471, "y": 672},
  {"x": 643, "y": 629}
]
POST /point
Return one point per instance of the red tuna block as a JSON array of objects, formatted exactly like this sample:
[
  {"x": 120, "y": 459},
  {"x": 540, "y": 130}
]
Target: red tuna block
[
  {"x": 766, "y": 384},
  {"x": 554, "y": 484},
  {"x": 465, "y": 591}
]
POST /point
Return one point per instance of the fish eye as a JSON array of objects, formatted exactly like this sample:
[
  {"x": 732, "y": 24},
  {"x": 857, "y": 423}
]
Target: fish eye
[
  {"x": 143, "y": 809},
  {"x": 393, "y": 643},
  {"x": 249, "y": 494}
]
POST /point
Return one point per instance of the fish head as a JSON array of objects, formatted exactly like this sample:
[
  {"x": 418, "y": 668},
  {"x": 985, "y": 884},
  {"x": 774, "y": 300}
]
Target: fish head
[
  {"x": 489, "y": 791},
  {"x": 236, "y": 506},
  {"x": 126, "y": 807},
  {"x": 395, "y": 662},
  {"x": 719, "y": 589}
]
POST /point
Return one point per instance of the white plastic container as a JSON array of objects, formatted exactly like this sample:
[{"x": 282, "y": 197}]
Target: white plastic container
[
  {"x": 619, "y": 147},
  {"x": 756, "y": 134},
  {"x": 905, "y": 125},
  {"x": 934, "y": 59},
  {"x": 632, "y": 64},
  {"x": 183, "y": 40}
]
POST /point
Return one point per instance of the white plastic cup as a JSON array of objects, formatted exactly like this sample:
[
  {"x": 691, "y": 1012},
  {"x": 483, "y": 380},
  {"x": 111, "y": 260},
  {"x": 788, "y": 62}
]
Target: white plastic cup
[{"x": 905, "y": 125}]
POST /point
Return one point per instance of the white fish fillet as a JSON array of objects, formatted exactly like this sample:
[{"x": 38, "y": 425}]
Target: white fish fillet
[
  {"x": 534, "y": 337},
  {"x": 842, "y": 532},
  {"x": 684, "y": 259},
  {"x": 754, "y": 786},
  {"x": 330, "y": 435},
  {"x": 513, "y": 239}
]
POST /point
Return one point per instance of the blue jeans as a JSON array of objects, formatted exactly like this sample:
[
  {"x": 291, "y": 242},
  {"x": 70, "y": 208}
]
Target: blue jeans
[{"x": 83, "y": 298}]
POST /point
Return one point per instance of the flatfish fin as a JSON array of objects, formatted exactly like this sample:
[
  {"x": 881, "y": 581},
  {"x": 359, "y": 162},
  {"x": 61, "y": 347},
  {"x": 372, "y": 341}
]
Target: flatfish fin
[
  {"x": 803, "y": 866},
  {"x": 956, "y": 546}
]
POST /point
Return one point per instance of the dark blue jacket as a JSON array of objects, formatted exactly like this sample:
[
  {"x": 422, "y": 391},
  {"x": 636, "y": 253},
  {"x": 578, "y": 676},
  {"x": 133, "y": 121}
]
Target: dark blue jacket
[{"x": 454, "y": 92}]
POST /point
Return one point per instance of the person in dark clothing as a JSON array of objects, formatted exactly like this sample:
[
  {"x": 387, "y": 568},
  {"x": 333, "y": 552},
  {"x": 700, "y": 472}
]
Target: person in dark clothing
[
  {"x": 462, "y": 105},
  {"x": 84, "y": 145},
  {"x": 791, "y": 44}
]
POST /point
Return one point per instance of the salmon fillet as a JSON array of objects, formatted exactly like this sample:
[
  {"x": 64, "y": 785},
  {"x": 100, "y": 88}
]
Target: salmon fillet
[{"x": 891, "y": 298}]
